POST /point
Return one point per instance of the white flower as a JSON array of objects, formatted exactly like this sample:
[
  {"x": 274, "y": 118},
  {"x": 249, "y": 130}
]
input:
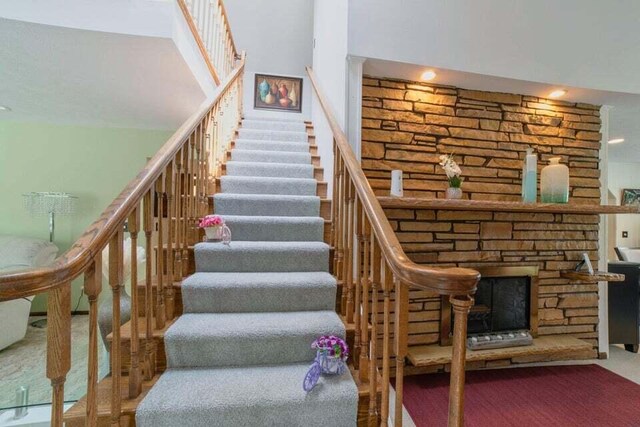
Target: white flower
[{"x": 450, "y": 167}]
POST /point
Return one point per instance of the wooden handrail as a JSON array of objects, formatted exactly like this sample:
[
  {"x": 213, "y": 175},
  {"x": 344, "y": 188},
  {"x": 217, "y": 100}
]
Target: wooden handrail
[
  {"x": 369, "y": 262},
  {"x": 445, "y": 281},
  {"x": 90, "y": 244}
]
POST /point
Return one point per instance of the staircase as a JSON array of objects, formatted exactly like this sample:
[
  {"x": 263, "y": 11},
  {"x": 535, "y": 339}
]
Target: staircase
[{"x": 238, "y": 354}]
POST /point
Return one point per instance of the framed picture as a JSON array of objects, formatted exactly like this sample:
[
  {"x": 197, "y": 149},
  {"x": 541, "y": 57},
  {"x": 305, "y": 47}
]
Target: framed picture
[
  {"x": 277, "y": 93},
  {"x": 630, "y": 197}
]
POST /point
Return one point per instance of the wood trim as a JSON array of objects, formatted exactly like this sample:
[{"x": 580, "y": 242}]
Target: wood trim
[
  {"x": 449, "y": 281},
  {"x": 81, "y": 254},
  {"x": 498, "y": 206},
  {"x": 196, "y": 35}
]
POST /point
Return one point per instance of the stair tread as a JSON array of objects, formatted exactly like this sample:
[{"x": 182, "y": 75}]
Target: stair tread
[
  {"x": 260, "y": 246},
  {"x": 258, "y": 395}
]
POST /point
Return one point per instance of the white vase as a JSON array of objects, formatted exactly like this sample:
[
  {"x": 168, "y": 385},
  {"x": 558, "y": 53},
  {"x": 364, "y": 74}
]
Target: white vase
[
  {"x": 554, "y": 182},
  {"x": 213, "y": 233},
  {"x": 454, "y": 193}
]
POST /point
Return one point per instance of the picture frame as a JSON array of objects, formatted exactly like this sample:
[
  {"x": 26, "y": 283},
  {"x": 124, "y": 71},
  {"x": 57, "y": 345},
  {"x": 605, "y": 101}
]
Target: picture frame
[
  {"x": 273, "y": 92},
  {"x": 630, "y": 197}
]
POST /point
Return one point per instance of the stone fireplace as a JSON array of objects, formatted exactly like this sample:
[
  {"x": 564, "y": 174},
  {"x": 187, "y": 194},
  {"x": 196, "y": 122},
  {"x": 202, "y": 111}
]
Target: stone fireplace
[
  {"x": 506, "y": 300},
  {"x": 408, "y": 125}
]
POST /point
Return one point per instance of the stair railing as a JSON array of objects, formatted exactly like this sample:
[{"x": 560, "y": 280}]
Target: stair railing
[
  {"x": 163, "y": 202},
  {"x": 209, "y": 24},
  {"x": 375, "y": 274}
]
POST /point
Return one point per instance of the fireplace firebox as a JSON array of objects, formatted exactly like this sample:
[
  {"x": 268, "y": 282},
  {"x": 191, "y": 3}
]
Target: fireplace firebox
[{"x": 506, "y": 300}]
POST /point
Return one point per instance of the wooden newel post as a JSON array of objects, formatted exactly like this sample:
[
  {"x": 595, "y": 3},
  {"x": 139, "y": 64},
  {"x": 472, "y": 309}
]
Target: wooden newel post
[
  {"x": 116, "y": 274},
  {"x": 92, "y": 288},
  {"x": 58, "y": 347},
  {"x": 461, "y": 307}
]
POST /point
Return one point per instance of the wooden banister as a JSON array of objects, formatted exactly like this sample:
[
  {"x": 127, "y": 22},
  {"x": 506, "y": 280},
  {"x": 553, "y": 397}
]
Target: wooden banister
[
  {"x": 79, "y": 257},
  {"x": 449, "y": 281},
  {"x": 368, "y": 258}
]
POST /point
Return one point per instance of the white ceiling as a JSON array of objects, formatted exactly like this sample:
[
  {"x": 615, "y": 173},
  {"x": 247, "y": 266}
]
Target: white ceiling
[
  {"x": 72, "y": 76},
  {"x": 623, "y": 117}
]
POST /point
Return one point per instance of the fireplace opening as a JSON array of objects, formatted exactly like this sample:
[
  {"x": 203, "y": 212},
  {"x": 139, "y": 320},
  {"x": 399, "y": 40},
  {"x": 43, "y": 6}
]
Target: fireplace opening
[
  {"x": 506, "y": 304},
  {"x": 501, "y": 304}
]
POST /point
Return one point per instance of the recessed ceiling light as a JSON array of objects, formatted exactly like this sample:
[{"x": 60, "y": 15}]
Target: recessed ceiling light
[
  {"x": 616, "y": 141},
  {"x": 4, "y": 108},
  {"x": 428, "y": 75},
  {"x": 557, "y": 93}
]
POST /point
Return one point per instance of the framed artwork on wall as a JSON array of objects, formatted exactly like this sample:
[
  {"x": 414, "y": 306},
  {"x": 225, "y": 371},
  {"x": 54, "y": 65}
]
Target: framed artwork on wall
[
  {"x": 277, "y": 93},
  {"x": 630, "y": 197}
]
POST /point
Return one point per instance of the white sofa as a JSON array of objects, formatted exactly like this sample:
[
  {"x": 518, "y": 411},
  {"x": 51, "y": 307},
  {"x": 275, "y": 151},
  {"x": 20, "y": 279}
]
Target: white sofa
[
  {"x": 18, "y": 253},
  {"x": 628, "y": 254}
]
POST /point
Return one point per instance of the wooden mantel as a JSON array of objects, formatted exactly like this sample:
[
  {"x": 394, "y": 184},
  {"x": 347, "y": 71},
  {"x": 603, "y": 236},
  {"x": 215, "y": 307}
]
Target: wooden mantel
[{"x": 499, "y": 206}]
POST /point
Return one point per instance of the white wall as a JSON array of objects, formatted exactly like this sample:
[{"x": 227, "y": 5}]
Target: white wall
[
  {"x": 582, "y": 43},
  {"x": 329, "y": 65},
  {"x": 625, "y": 175},
  {"x": 278, "y": 38}
]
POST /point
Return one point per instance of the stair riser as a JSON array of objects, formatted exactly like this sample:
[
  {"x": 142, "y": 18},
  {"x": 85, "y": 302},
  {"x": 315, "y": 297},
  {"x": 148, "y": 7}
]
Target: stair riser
[
  {"x": 213, "y": 258},
  {"x": 259, "y": 348},
  {"x": 272, "y": 157},
  {"x": 321, "y": 189},
  {"x": 273, "y": 135},
  {"x": 291, "y": 232},
  {"x": 275, "y": 172},
  {"x": 273, "y": 207},
  {"x": 272, "y": 125},
  {"x": 259, "y": 300},
  {"x": 251, "y": 185},
  {"x": 296, "y": 147}
]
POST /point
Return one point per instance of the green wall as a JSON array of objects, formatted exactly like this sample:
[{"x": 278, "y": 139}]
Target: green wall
[{"x": 92, "y": 163}]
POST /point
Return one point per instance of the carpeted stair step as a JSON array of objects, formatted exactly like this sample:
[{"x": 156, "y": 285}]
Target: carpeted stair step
[
  {"x": 266, "y": 205},
  {"x": 298, "y": 126},
  {"x": 262, "y": 185},
  {"x": 270, "y": 156},
  {"x": 275, "y": 228},
  {"x": 262, "y": 256},
  {"x": 245, "y": 339},
  {"x": 248, "y": 396},
  {"x": 275, "y": 170},
  {"x": 258, "y": 292},
  {"x": 254, "y": 144},
  {"x": 273, "y": 135}
]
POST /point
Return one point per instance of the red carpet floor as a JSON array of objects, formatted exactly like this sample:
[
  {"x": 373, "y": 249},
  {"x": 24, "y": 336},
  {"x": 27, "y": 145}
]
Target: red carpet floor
[{"x": 558, "y": 396}]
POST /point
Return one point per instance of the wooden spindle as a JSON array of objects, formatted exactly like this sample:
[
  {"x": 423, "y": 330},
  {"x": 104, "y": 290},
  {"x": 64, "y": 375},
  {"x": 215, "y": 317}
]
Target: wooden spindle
[
  {"x": 386, "y": 344},
  {"x": 58, "y": 347},
  {"x": 92, "y": 288},
  {"x": 135, "y": 377},
  {"x": 185, "y": 209},
  {"x": 348, "y": 264},
  {"x": 358, "y": 286},
  {"x": 178, "y": 270},
  {"x": 461, "y": 307},
  {"x": 160, "y": 253},
  {"x": 339, "y": 231},
  {"x": 363, "y": 367},
  {"x": 401, "y": 333},
  {"x": 149, "y": 357},
  {"x": 334, "y": 207},
  {"x": 169, "y": 191},
  {"x": 115, "y": 281},
  {"x": 373, "y": 359}
]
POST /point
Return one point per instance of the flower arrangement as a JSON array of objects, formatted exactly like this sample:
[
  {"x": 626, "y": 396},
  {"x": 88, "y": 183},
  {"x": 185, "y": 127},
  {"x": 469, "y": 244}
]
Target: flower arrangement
[
  {"x": 211, "y": 221},
  {"x": 331, "y": 346},
  {"x": 452, "y": 170}
]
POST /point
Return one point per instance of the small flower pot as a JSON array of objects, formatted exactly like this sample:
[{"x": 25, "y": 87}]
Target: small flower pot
[
  {"x": 213, "y": 233},
  {"x": 330, "y": 365},
  {"x": 454, "y": 193}
]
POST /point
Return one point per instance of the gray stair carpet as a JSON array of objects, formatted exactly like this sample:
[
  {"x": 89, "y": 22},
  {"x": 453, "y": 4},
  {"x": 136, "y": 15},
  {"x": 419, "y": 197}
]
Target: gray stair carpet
[
  {"x": 275, "y": 228},
  {"x": 268, "y": 156},
  {"x": 254, "y": 144},
  {"x": 266, "y": 205},
  {"x": 275, "y": 170},
  {"x": 238, "y": 354},
  {"x": 268, "y": 185},
  {"x": 258, "y": 292}
]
